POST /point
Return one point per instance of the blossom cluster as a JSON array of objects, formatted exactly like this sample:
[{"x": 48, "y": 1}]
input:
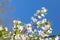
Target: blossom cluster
[{"x": 30, "y": 31}]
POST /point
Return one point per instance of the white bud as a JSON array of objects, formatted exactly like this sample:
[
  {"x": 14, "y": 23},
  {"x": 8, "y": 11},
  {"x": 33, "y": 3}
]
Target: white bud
[
  {"x": 39, "y": 17},
  {"x": 42, "y": 15},
  {"x": 44, "y": 9},
  {"x": 23, "y": 37},
  {"x": 14, "y": 21},
  {"x": 51, "y": 29}
]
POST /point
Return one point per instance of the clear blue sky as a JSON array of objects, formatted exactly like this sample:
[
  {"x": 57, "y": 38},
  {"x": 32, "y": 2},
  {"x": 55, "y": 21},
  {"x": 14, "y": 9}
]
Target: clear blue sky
[{"x": 26, "y": 8}]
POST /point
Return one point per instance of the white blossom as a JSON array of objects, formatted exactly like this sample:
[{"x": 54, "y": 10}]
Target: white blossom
[
  {"x": 1, "y": 28},
  {"x": 44, "y": 28},
  {"x": 40, "y": 32},
  {"x": 50, "y": 31},
  {"x": 17, "y": 37},
  {"x": 31, "y": 35},
  {"x": 44, "y": 20},
  {"x": 14, "y": 21},
  {"x": 44, "y": 9},
  {"x": 6, "y": 28},
  {"x": 48, "y": 26},
  {"x": 34, "y": 19},
  {"x": 35, "y": 30},
  {"x": 57, "y": 38},
  {"x": 23, "y": 37},
  {"x": 38, "y": 22},
  {"x": 42, "y": 15},
  {"x": 19, "y": 22},
  {"x": 29, "y": 25},
  {"x": 29, "y": 29},
  {"x": 39, "y": 17},
  {"x": 20, "y": 28}
]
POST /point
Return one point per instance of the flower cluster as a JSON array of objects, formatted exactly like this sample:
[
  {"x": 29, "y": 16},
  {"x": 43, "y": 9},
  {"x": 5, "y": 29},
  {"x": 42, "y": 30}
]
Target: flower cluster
[{"x": 38, "y": 29}]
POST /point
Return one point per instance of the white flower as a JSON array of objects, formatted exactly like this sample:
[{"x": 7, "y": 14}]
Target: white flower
[
  {"x": 50, "y": 31},
  {"x": 34, "y": 19},
  {"x": 23, "y": 37},
  {"x": 29, "y": 29},
  {"x": 39, "y": 17},
  {"x": 14, "y": 26},
  {"x": 57, "y": 38},
  {"x": 43, "y": 28},
  {"x": 35, "y": 30},
  {"x": 10, "y": 33},
  {"x": 19, "y": 22},
  {"x": 29, "y": 25},
  {"x": 14, "y": 21},
  {"x": 31, "y": 35},
  {"x": 20, "y": 28},
  {"x": 46, "y": 35},
  {"x": 44, "y": 9},
  {"x": 17, "y": 37},
  {"x": 43, "y": 34},
  {"x": 40, "y": 32},
  {"x": 42, "y": 15},
  {"x": 38, "y": 22},
  {"x": 6, "y": 28},
  {"x": 44, "y": 20},
  {"x": 50, "y": 38},
  {"x": 41, "y": 38},
  {"x": 48, "y": 26},
  {"x": 51, "y": 28},
  {"x": 14, "y": 34},
  {"x": 1, "y": 28}
]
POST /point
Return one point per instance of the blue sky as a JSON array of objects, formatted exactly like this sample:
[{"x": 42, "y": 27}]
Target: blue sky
[{"x": 26, "y": 8}]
